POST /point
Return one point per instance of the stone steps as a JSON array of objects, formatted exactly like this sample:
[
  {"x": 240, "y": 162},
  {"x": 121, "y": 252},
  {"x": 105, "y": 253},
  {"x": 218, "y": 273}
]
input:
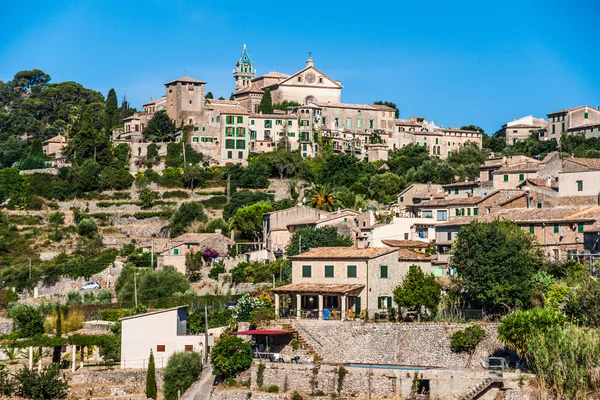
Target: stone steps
[
  {"x": 287, "y": 327},
  {"x": 480, "y": 389}
]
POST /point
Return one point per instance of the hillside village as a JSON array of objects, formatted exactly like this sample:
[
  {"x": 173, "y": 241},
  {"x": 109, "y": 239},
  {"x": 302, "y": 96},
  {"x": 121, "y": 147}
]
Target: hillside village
[{"x": 283, "y": 244}]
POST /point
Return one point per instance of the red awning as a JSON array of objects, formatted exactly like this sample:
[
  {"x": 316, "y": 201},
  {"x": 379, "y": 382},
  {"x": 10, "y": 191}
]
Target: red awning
[{"x": 262, "y": 332}]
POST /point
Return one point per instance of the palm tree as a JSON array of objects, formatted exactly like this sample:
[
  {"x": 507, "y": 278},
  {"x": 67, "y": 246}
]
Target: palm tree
[
  {"x": 11, "y": 353},
  {"x": 323, "y": 197}
]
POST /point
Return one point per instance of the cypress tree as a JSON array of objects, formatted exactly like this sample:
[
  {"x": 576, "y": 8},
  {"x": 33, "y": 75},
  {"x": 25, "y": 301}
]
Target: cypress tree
[
  {"x": 231, "y": 97},
  {"x": 57, "y": 349},
  {"x": 266, "y": 103},
  {"x": 209, "y": 95},
  {"x": 151, "y": 389},
  {"x": 111, "y": 111}
]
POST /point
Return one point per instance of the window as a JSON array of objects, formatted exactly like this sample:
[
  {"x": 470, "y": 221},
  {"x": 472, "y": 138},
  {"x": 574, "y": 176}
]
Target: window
[
  {"x": 436, "y": 141},
  {"x": 348, "y": 123},
  {"x": 306, "y": 271},
  {"x": 469, "y": 212},
  {"x": 442, "y": 215},
  {"x": 240, "y": 120},
  {"x": 457, "y": 212},
  {"x": 268, "y": 123},
  {"x": 521, "y": 177},
  {"x": 580, "y": 186},
  {"x": 240, "y": 154},
  {"x": 580, "y": 227},
  {"x": 384, "y": 302},
  {"x": 539, "y": 204},
  {"x": 553, "y": 129},
  {"x": 531, "y": 229},
  {"x": 229, "y": 144},
  {"x": 229, "y": 119},
  {"x": 160, "y": 348},
  {"x": 449, "y": 236},
  {"x": 278, "y": 122},
  {"x": 189, "y": 347},
  {"x": 351, "y": 271},
  {"x": 229, "y": 131},
  {"x": 505, "y": 178},
  {"x": 240, "y": 144},
  {"x": 175, "y": 252},
  {"x": 563, "y": 127},
  {"x": 427, "y": 214},
  {"x": 585, "y": 115},
  {"x": 456, "y": 191},
  {"x": 329, "y": 271},
  {"x": 383, "y": 271},
  {"x": 251, "y": 122},
  {"x": 194, "y": 139},
  {"x": 229, "y": 154},
  {"x": 475, "y": 211},
  {"x": 556, "y": 228}
]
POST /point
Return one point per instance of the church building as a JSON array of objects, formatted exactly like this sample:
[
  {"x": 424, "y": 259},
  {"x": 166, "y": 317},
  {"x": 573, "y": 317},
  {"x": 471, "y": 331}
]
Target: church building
[{"x": 308, "y": 85}]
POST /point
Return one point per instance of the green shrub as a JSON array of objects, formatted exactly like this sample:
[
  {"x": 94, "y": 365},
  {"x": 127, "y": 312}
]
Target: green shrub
[
  {"x": 231, "y": 355},
  {"x": 7, "y": 296},
  {"x": 113, "y": 314},
  {"x": 87, "y": 228},
  {"x": 182, "y": 369},
  {"x": 467, "y": 340},
  {"x": 152, "y": 214},
  {"x": 273, "y": 389},
  {"x": 295, "y": 344},
  {"x": 74, "y": 298},
  {"x": 216, "y": 270},
  {"x": 215, "y": 203},
  {"x": 89, "y": 298},
  {"x": 104, "y": 296},
  {"x": 176, "y": 194},
  {"x": 296, "y": 396},
  {"x": 48, "y": 384},
  {"x": 260, "y": 315},
  {"x": 260, "y": 374}
]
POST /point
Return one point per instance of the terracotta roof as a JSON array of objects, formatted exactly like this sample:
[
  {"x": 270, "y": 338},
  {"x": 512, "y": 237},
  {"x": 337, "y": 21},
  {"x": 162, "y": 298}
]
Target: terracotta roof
[
  {"x": 407, "y": 255},
  {"x": 274, "y": 116},
  {"x": 406, "y": 122},
  {"x": 56, "y": 139},
  {"x": 153, "y": 312},
  {"x": 525, "y": 126},
  {"x": 352, "y": 106},
  {"x": 535, "y": 215},
  {"x": 249, "y": 89},
  {"x": 586, "y": 125},
  {"x": 185, "y": 79},
  {"x": 318, "y": 288},
  {"x": 451, "y": 202},
  {"x": 383, "y": 107},
  {"x": 566, "y": 110},
  {"x": 227, "y": 108},
  {"x": 521, "y": 167},
  {"x": 460, "y": 184},
  {"x": 407, "y": 244},
  {"x": 460, "y": 130},
  {"x": 272, "y": 74},
  {"x": 200, "y": 237},
  {"x": 344, "y": 253},
  {"x": 592, "y": 163}
]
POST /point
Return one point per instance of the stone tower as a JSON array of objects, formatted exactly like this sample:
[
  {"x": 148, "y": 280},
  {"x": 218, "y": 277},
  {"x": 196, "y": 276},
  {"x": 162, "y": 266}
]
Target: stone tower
[
  {"x": 244, "y": 71},
  {"x": 185, "y": 100}
]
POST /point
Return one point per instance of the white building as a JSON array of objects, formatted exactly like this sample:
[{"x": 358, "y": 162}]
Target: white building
[{"x": 163, "y": 331}]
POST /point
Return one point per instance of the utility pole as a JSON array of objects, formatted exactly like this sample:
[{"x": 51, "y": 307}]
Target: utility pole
[
  {"x": 299, "y": 244},
  {"x": 183, "y": 149},
  {"x": 228, "y": 189},
  {"x": 152, "y": 256},
  {"x": 135, "y": 287},
  {"x": 205, "y": 333}
]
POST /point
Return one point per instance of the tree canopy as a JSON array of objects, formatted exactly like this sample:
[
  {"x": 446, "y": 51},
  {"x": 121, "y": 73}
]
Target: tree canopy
[
  {"x": 160, "y": 128},
  {"x": 496, "y": 262},
  {"x": 418, "y": 290},
  {"x": 309, "y": 238},
  {"x": 266, "y": 103}
]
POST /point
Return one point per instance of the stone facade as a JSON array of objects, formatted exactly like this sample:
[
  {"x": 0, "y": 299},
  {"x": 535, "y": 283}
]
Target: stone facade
[
  {"x": 583, "y": 119},
  {"x": 111, "y": 383},
  {"x": 520, "y": 129}
]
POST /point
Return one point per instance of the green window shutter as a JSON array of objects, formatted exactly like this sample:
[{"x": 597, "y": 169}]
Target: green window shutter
[
  {"x": 289, "y": 123},
  {"x": 580, "y": 227},
  {"x": 357, "y": 308},
  {"x": 556, "y": 228},
  {"x": 240, "y": 154},
  {"x": 379, "y": 302},
  {"x": 389, "y": 302},
  {"x": 468, "y": 211},
  {"x": 585, "y": 115},
  {"x": 579, "y": 186},
  {"x": 252, "y": 122},
  {"x": 384, "y": 271},
  {"x": 521, "y": 177},
  {"x": 229, "y": 154},
  {"x": 457, "y": 211},
  {"x": 175, "y": 251},
  {"x": 531, "y": 229},
  {"x": 329, "y": 271},
  {"x": 505, "y": 177},
  {"x": 456, "y": 191},
  {"x": 475, "y": 211},
  {"x": 436, "y": 141},
  {"x": 306, "y": 271},
  {"x": 351, "y": 271},
  {"x": 553, "y": 128}
]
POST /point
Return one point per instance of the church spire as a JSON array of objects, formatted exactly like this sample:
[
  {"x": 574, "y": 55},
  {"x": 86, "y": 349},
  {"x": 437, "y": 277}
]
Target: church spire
[{"x": 244, "y": 71}]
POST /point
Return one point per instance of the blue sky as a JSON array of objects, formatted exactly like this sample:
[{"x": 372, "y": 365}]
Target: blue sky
[{"x": 457, "y": 63}]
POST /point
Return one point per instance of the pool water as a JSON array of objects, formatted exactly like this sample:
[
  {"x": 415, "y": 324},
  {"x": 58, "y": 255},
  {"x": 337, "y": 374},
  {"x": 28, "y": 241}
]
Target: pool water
[{"x": 401, "y": 367}]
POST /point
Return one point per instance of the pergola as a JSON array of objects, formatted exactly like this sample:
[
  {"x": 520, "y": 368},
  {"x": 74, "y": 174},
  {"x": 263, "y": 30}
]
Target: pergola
[{"x": 319, "y": 290}]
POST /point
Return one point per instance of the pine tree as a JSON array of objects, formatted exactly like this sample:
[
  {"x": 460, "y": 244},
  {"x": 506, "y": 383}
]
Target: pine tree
[
  {"x": 266, "y": 103},
  {"x": 57, "y": 349},
  {"x": 209, "y": 95},
  {"x": 151, "y": 389},
  {"x": 231, "y": 97},
  {"x": 111, "y": 111}
]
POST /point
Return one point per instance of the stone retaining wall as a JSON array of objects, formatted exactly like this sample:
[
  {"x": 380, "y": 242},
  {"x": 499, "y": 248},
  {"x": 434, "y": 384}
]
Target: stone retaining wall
[
  {"x": 111, "y": 382},
  {"x": 411, "y": 344},
  {"x": 373, "y": 383},
  {"x": 235, "y": 394}
]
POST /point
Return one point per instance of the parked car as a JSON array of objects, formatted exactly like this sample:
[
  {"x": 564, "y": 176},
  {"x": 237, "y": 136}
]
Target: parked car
[
  {"x": 230, "y": 305},
  {"x": 91, "y": 286}
]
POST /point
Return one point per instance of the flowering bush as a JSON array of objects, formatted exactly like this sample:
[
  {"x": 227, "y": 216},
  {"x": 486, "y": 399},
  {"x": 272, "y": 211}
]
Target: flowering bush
[
  {"x": 245, "y": 306},
  {"x": 210, "y": 253}
]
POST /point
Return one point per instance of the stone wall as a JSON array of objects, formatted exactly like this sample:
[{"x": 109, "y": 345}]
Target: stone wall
[
  {"x": 236, "y": 394},
  {"x": 373, "y": 383},
  {"x": 111, "y": 383},
  {"x": 410, "y": 344}
]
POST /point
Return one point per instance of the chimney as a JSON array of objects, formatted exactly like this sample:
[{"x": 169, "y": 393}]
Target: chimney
[
  {"x": 549, "y": 181},
  {"x": 505, "y": 161},
  {"x": 218, "y": 231}
]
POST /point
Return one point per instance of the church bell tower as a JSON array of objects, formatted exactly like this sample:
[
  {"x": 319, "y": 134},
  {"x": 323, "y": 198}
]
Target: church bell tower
[{"x": 244, "y": 71}]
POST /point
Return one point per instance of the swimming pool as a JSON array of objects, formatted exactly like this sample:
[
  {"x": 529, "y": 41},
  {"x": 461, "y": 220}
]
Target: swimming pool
[{"x": 376, "y": 366}]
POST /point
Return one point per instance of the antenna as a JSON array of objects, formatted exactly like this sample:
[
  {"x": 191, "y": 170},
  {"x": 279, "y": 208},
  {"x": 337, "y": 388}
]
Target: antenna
[{"x": 310, "y": 54}]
